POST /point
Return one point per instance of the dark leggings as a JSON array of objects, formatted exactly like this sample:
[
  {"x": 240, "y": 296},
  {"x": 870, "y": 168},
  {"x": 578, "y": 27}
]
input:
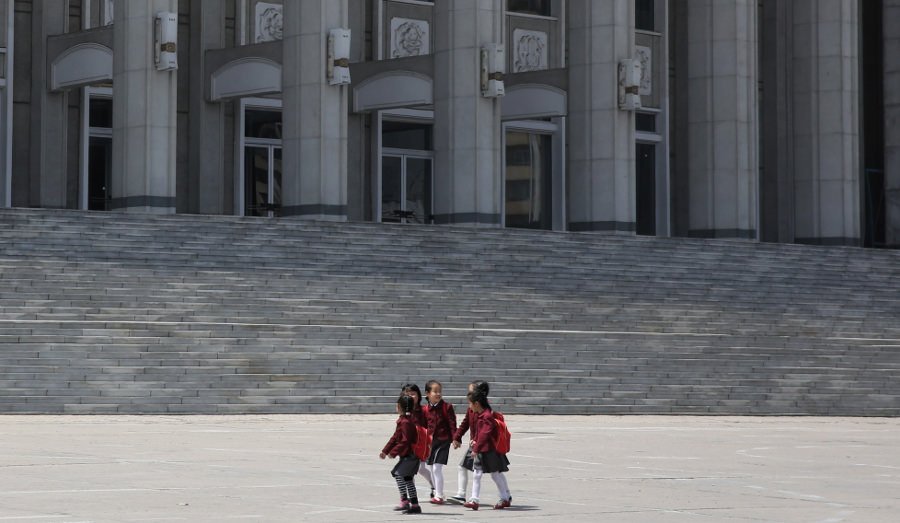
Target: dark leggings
[{"x": 407, "y": 488}]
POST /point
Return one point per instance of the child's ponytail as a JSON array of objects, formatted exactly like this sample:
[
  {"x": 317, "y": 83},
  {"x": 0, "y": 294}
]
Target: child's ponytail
[{"x": 406, "y": 404}]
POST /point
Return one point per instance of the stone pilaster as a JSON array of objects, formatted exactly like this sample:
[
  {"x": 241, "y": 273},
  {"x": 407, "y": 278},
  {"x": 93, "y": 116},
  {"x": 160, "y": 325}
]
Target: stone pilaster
[
  {"x": 892, "y": 120},
  {"x": 315, "y": 113},
  {"x": 144, "y": 113},
  {"x": 722, "y": 118},
  {"x": 468, "y": 170},
  {"x": 826, "y": 121},
  {"x": 48, "y": 112},
  {"x": 207, "y": 190},
  {"x": 601, "y": 169}
]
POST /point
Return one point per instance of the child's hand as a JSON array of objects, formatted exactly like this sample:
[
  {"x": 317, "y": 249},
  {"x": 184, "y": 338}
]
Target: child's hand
[
  {"x": 457, "y": 444},
  {"x": 382, "y": 455}
]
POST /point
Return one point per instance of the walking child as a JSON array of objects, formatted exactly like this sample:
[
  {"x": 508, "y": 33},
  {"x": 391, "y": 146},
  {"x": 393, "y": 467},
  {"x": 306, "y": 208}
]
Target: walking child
[
  {"x": 418, "y": 415},
  {"x": 401, "y": 446},
  {"x": 468, "y": 425},
  {"x": 442, "y": 425},
  {"x": 486, "y": 457}
]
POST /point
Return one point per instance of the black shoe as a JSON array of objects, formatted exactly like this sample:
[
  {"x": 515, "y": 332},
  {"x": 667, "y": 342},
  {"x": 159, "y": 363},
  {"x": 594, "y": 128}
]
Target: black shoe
[{"x": 413, "y": 509}]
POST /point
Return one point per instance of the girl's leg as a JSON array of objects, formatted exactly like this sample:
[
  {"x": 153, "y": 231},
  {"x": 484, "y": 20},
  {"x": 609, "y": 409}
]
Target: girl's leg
[
  {"x": 426, "y": 473},
  {"x": 437, "y": 474},
  {"x": 404, "y": 498},
  {"x": 502, "y": 485},
  {"x": 411, "y": 493},
  {"x": 476, "y": 484},
  {"x": 462, "y": 480}
]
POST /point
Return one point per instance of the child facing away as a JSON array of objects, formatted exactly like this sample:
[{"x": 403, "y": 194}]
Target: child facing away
[
  {"x": 418, "y": 414},
  {"x": 401, "y": 446},
  {"x": 441, "y": 420},
  {"x": 469, "y": 424},
  {"x": 485, "y": 455}
]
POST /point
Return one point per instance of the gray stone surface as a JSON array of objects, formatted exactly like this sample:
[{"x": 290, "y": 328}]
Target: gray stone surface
[
  {"x": 105, "y": 469},
  {"x": 115, "y": 313}
]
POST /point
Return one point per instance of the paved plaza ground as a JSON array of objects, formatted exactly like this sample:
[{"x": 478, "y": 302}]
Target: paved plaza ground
[{"x": 57, "y": 469}]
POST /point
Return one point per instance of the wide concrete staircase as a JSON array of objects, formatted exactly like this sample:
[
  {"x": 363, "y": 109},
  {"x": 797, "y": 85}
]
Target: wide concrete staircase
[{"x": 116, "y": 313}]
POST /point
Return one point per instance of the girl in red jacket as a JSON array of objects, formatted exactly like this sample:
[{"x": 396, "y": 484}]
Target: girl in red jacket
[
  {"x": 401, "y": 446},
  {"x": 441, "y": 425},
  {"x": 418, "y": 414},
  {"x": 469, "y": 423},
  {"x": 486, "y": 457}
]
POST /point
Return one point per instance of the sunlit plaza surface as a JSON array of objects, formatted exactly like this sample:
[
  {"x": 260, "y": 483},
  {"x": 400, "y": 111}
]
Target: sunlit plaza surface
[{"x": 59, "y": 469}]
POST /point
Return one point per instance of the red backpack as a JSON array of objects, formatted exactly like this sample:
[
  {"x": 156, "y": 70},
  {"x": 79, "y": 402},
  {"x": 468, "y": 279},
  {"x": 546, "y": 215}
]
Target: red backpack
[
  {"x": 422, "y": 447},
  {"x": 502, "y": 437}
]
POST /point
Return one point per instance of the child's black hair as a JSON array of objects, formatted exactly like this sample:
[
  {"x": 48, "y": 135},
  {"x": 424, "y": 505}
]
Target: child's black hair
[
  {"x": 481, "y": 386},
  {"x": 480, "y": 398},
  {"x": 432, "y": 383},
  {"x": 406, "y": 403},
  {"x": 412, "y": 387}
]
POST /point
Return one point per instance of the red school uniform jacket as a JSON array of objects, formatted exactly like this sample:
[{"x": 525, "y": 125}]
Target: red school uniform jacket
[
  {"x": 469, "y": 422},
  {"x": 404, "y": 438},
  {"x": 441, "y": 421},
  {"x": 419, "y": 416},
  {"x": 487, "y": 429}
]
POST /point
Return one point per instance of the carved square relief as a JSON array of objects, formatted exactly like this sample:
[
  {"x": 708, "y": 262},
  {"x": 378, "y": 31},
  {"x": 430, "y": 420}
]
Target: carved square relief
[
  {"x": 410, "y": 37},
  {"x": 645, "y": 55},
  {"x": 529, "y": 51},
  {"x": 269, "y": 22}
]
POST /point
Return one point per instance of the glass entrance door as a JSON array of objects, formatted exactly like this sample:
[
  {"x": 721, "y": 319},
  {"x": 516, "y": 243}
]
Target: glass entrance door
[
  {"x": 261, "y": 151},
  {"x": 406, "y": 194},
  {"x": 529, "y": 180},
  {"x": 97, "y": 167},
  {"x": 262, "y": 175},
  {"x": 99, "y": 170}
]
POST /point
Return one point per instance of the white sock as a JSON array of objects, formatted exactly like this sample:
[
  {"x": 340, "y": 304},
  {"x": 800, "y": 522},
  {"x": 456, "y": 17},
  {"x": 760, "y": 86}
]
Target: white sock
[
  {"x": 437, "y": 474},
  {"x": 476, "y": 484},
  {"x": 502, "y": 485},
  {"x": 462, "y": 479},
  {"x": 426, "y": 473}
]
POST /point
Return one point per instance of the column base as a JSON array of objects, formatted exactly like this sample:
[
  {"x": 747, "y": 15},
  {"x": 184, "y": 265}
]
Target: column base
[
  {"x": 144, "y": 204},
  {"x": 627, "y": 227},
  {"x": 737, "y": 234},
  {"x": 830, "y": 242},
  {"x": 334, "y": 213},
  {"x": 468, "y": 218}
]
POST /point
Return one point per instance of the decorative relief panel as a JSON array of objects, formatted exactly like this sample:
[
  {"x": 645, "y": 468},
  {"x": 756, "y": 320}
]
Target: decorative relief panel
[
  {"x": 645, "y": 55},
  {"x": 269, "y": 22},
  {"x": 409, "y": 37},
  {"x": 529, "y": 51}
]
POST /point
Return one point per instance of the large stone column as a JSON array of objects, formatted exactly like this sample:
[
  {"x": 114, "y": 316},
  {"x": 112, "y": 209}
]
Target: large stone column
[
  {"x": 468, "y": 171},
  {"x": 601, "y": 169},
  {"x": 207, "y": 187},
  {"x": 48, "y": 112},
  {"x": 892, "y": 120},
  {"x": 144, "y": 113},
  {"x": 722, "y": 118},
  {"x": 826, "y": 122},
  {"x": 315, "y": 114}
]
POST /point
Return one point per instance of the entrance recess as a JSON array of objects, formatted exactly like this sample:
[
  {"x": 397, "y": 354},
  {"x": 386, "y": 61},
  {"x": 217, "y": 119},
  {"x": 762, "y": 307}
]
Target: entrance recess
[
  {"x": 261, "y": 166},
  {"x": 406, "y": 171},
  {"x": 406, "y": 193},
  {"x": 97, "y": 152}
]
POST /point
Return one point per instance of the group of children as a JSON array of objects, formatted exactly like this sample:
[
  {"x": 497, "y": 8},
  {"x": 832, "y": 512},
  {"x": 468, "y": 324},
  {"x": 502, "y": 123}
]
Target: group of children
[{"x": 439, "y": 419}]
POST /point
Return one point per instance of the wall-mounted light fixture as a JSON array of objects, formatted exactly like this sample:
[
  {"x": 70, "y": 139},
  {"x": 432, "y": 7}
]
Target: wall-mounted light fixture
[
  {"x": 493, "y": 67},
  {"x": 337, "y": 68},
  {"x": 166, "y": 41},
  {"x": 629, "y": 85}
]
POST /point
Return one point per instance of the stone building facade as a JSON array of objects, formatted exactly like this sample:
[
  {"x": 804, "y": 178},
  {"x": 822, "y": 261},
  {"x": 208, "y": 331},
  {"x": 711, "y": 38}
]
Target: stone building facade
[{"x": 769, "y": 120}]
